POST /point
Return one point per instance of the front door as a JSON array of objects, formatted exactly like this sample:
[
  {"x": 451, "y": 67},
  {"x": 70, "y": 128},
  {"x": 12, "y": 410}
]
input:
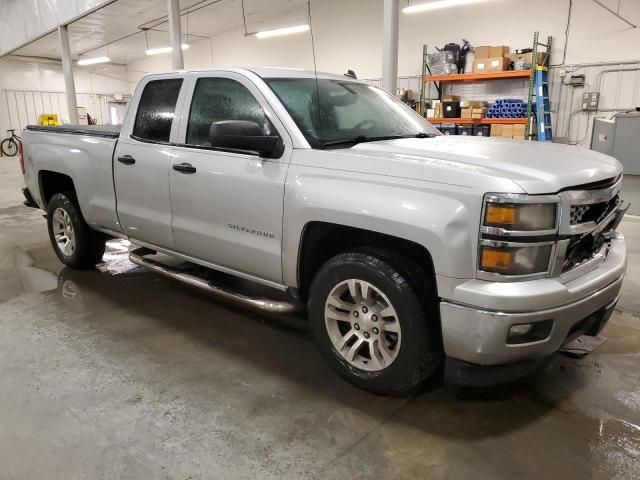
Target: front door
[
  {"x": 142, "y": 162},
  {"x": 227, "y": 206}
]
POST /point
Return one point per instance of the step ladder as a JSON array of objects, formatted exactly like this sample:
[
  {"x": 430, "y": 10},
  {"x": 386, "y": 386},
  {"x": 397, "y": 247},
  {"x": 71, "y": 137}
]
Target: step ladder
[
  {"x": 539, "y": 111},
  {"x": 543, "y": 110}
]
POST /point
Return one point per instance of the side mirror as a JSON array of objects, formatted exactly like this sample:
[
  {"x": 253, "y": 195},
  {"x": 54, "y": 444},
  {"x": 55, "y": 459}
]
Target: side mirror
[{"x": 245, "y": 136}]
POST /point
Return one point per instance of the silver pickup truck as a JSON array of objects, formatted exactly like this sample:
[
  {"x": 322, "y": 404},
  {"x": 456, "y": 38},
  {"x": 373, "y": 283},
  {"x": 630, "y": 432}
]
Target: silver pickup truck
[{"x": 409, "y": 250}]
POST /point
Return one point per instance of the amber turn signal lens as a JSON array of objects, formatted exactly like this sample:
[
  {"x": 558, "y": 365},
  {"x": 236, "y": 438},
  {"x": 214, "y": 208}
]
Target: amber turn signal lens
[
  {"x": 494, "y": 259},
  {"x": 500, "y": 215}
]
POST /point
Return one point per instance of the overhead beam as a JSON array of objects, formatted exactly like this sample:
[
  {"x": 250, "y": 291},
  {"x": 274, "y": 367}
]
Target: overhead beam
[
  {"x": 86, "y": 13},
  {"x": 67, "y": 69},
  {"x": 614, "y": 13},
  {"x": 175, "y": 34},
  {"x": 391, "y": 14}
]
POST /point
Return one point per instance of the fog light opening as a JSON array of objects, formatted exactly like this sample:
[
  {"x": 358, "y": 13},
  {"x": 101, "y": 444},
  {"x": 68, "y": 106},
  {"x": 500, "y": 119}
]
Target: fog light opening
[
  {"x": 529, "y": 332},
  {"x": 523, "y": 329}
]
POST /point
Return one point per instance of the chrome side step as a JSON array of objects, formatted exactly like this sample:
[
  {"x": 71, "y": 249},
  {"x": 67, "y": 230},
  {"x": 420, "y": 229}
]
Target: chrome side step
[{"x": 139, "y": 255}]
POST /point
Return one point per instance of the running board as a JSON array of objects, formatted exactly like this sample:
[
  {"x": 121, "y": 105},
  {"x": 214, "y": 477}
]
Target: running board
[{"x": 139, "y": 255}]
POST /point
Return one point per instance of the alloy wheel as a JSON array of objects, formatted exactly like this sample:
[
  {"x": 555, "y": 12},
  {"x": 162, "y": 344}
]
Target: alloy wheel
[
  {"x": 63, "y": 232},
  {"x": 363, "y": 325}
]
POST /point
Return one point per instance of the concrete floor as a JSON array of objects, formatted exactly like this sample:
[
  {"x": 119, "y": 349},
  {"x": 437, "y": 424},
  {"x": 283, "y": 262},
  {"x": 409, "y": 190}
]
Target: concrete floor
[{"x": 120, "y": 373}]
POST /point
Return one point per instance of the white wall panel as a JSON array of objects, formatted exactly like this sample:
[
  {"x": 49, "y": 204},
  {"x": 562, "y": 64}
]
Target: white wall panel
[
  {"x": 29, "y": 89},
  {"x": 21, "y": 108}
]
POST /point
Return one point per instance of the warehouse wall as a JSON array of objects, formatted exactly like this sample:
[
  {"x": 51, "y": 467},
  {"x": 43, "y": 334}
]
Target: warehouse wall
[
  {"x": 348, "y": 35},
  {"x": 352, "y": 39},
  {"x": 29, "y": 88}
]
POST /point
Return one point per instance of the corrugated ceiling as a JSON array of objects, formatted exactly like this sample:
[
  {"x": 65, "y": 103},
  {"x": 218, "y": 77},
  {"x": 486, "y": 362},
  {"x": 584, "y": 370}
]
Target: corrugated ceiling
[{"x": 116, "y": 29}]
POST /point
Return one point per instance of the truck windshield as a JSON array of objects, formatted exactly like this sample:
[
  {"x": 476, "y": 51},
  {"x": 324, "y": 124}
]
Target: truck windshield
[{"x": 342, "y": 113}]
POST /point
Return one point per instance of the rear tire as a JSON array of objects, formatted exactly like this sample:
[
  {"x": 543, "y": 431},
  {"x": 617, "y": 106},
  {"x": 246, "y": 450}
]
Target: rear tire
[
  {"x": 75, "y": 244},
  {"x": 384, "y": 338}
]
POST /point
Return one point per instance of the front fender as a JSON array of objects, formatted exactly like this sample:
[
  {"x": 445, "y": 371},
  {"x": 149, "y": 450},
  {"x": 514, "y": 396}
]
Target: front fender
[{"x": 442, "y": 218}]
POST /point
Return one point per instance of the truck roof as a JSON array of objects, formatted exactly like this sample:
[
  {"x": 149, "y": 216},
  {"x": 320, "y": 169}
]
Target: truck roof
[{"x": 267, "y": 72}]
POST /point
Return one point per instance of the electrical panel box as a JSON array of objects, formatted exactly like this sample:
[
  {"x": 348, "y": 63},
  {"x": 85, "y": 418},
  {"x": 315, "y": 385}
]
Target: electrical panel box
[
  {"x": 576, "y": 80},
  {"x": 620, "y": 138},
  {"x": 590, "y": 101}
]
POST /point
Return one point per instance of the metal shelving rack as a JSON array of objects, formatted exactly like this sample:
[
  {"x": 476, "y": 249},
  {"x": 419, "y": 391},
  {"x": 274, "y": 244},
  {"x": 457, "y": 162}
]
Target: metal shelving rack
[{"x": 441, "y": 80}]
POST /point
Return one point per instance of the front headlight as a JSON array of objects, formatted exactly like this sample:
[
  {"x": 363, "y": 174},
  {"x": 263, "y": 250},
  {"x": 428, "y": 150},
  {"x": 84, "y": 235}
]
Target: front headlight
[
  {"x": 505, "y": 212},
  {"x": 510, "y": 235},
  {"x": 528, "y": 217},
  {"x": 507, "y": 258}
]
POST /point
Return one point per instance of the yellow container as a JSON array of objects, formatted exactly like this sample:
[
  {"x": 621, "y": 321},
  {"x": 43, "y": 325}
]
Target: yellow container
[{"x": 48, "y": 119}]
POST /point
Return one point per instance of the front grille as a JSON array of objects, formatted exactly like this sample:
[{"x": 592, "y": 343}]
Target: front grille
[
  {"x": 582, "y": 249},
  {"x": 593, "y": 212}
]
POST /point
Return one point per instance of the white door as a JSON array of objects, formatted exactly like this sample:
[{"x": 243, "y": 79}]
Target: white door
[
  {"x": 227, "y": 207},
  {"x": 141, "y": 165}
]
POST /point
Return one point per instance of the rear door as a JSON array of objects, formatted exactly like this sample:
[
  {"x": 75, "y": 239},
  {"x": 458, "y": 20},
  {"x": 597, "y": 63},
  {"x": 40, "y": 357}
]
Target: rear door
[
  {"x": 142, "y": 162},
  {"x": 227, "y": 209}
]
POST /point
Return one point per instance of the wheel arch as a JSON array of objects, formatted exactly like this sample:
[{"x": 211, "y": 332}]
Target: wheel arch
[
  {"x": 50, "y": 183},
  {"x": 336, "y": 238}
]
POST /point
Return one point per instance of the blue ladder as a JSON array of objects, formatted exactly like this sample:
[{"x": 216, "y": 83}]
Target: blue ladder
[{"x": 543, "y": 109}]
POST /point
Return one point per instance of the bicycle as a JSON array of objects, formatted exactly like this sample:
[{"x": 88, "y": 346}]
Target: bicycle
[{"x": 10, "y": 146}]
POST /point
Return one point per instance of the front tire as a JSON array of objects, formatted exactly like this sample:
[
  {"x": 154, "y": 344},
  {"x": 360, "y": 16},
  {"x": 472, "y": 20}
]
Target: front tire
[
  {"x": 75, "y": 244},
  {"x": 374, "y": 324}
]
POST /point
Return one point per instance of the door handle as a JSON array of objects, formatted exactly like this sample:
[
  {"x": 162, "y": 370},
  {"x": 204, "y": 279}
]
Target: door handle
[
  {"x": 184, "y": 168},
  {"x": 127, "y": 159}
]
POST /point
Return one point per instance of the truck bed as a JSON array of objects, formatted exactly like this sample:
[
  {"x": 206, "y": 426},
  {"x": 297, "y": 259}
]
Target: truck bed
[{"x": 106, "y": 131}]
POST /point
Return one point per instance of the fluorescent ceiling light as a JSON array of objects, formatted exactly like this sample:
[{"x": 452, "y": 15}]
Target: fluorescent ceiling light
[
  {"x": 92, "y": 61},
  {"x": 161, "y": 50},
  {"x": 282, "y": 31},
  {"x": 435, "y": 5}
]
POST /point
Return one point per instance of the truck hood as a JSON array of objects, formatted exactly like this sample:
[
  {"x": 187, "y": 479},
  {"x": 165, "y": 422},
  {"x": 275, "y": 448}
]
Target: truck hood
[{"x": 535, "y": 166}]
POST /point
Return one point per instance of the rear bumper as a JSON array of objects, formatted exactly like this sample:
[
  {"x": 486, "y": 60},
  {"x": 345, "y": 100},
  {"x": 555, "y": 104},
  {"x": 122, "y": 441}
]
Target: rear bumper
[
  {"x": 29, "y": 201},
  {"x": 478, "y": 334}
]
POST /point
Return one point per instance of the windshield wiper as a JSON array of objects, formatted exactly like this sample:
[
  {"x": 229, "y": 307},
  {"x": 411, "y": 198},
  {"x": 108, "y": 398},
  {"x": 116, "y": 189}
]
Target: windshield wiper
[
  {"x": 420, "y": 135},
  {"x": 363, "y": 138}
]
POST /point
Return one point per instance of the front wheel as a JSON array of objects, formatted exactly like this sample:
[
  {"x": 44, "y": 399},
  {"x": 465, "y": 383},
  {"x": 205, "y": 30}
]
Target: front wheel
[
  {"x": 9, "y": 147},
  {"x": 371, "y": 325},
  {"x": 75, "y": 244}
]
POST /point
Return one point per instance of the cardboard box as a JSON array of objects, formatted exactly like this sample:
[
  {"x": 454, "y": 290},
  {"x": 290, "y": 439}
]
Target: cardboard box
[
  {"x": 498, "y": 51},
  {"x": 507, "y": 131},
  {"x": 486, "y": 65},
  {"x": 542, "y": 58},
  {"x": 437, "y": 109},
  {"x": 482, "y": 52},
  {"x": 465, "y": 113},
  {"x": 519, "y": 131},
  {"x": 451, "y": 98},
  {"x": 478, "y": 112},
  {"x": 496, "y": 130}
]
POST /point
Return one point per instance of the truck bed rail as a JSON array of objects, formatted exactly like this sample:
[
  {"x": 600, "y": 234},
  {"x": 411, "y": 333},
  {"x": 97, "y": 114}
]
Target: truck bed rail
[{"x": 107, "y": 131}]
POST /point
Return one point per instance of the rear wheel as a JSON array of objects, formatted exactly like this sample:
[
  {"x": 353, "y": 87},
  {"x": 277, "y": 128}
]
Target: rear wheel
[
  {"x": 370, "y": 323},
  {"x": 9, "y": 147},
  {"x": 75, "y": 244}
]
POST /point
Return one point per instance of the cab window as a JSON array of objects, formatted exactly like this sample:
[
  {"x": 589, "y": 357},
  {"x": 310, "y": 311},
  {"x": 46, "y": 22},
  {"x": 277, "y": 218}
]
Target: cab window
[
  {"x": 217, "y": 99},
  {"x": 157, "y": 110}
]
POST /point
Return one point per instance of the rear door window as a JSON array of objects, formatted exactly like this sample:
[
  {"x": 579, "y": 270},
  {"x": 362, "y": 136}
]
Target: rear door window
[{"x": 157, "y": 110}]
